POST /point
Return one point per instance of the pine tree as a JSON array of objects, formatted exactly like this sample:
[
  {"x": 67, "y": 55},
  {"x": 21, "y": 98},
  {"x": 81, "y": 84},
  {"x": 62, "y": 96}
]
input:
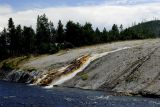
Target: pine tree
[
  {"x": 114, "y": 33},
  {"x": 43, "y": 34},
  {"x": 74, "y": 30},
  {"x": 3, "y": 44},
  {"x": 121, "y": 28},
  {"x": 11, "y": 34},
  {"x": 60, "y": 33},
  {"x": 52, "y": 33},
  {"x": 18, "y": 39},
  {"x": 104, "y": 35},
  {"x": 88, "y": 34},
  {"x": 98, "y": 36},
  {"x": 29, "y": 40}
]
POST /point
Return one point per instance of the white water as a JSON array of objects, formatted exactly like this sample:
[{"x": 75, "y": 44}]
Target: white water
[
  {"x": 92, "y": 58},
  {"x": 39, "y": 79}
]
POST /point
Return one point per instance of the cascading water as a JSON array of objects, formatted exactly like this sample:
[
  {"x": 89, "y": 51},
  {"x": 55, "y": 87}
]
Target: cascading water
[{"x": 66, "y": 73}]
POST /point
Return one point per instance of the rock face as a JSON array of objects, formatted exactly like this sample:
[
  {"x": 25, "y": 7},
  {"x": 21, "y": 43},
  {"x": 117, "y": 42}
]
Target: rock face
[
  {"x": 18, "y": 76},
  {"x": 134, "y": 70},
  {"x": 58, "y": 76}
]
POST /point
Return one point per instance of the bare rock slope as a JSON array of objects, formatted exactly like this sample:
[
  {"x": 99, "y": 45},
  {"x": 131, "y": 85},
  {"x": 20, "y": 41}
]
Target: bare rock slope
[{"x": 134, "y": 70}]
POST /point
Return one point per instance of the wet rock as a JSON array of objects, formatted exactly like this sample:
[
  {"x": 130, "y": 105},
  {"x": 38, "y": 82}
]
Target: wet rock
[
  {"x": 18, "y": 76},
  {"x": 149, "y": 94},
  {"x": 133, "y": 71}
]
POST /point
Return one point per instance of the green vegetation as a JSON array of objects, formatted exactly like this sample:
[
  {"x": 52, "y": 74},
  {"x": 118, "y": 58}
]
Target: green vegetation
[
  {"x": 143, "y": 30},
  {"x": 151, "y": 28},
  {"x": 84, "y": 76},
  {"x": 7, "y": 66},
  {"x": 30, "y": 69},
  {"x": 13, "y": 63},
  {"x": 20, "y": 41}
]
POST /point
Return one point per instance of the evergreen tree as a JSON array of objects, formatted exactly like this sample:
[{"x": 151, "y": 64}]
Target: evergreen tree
[
  {"x": 52, "y": 43},
  {"x": 104, "y": 35},
  {"x": 29, "y": 40},
  {"x": 3, "y": 44},
  {"x": 98, "y": 36},
  {"x": 114, "y": 33},
  {"x": 11, "y": 34},
  {"x": 18, "y": 39},
  {"x": 88, "y": 34},
  {"x": 43, "y": 34},
  {"x": 52, "y": 33},
  {"x": 60, "y": 33},
  {"x": 74, "y": 30},
  {"x": 121, "y": 28}
]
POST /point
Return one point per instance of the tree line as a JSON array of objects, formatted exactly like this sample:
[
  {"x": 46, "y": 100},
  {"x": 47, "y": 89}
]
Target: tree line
[{"x": 18, "y": 40}]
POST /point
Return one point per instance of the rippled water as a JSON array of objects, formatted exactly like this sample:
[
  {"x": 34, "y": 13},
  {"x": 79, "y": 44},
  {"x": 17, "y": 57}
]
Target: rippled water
[{"x": 20, "y": 95}]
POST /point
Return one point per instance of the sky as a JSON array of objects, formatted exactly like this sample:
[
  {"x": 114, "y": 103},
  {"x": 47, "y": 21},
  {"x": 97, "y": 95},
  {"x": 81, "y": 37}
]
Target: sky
[{"x": 101, "y": 13}]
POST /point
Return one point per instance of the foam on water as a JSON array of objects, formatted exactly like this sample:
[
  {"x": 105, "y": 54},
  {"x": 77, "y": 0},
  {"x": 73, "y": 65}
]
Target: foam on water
[{"x": 39, "y": 79}]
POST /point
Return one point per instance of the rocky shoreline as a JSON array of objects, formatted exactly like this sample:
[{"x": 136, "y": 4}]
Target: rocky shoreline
[{"x": 131, "y": 72}]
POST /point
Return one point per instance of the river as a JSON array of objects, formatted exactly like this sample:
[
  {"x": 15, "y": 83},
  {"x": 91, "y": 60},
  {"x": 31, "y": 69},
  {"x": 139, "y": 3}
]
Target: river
[{"x": 20, "y": 95}]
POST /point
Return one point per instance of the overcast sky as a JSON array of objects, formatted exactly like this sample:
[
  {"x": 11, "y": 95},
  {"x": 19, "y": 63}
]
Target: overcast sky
[{"x": 101, "y": 13}]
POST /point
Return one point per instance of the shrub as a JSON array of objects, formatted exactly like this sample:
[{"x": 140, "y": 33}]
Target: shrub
[
  {"x": 68, "y": 45},
  {"x": 7, "y": 66},
  {"x": 54, "y": 48},
  {"x": 84, "y": 77},
  {"x": 44, "y": 48},
  {"x": 31, "y": 69}
]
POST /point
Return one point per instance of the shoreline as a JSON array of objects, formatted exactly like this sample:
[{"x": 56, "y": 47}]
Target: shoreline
[{"x": 114, "y": 72}]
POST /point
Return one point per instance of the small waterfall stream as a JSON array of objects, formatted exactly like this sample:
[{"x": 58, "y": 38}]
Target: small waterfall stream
[{"x": 66, "y": 73}]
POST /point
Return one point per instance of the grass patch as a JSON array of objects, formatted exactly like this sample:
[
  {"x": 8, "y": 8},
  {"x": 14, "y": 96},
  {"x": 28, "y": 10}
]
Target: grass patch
[
  {"x": 12, "y": 63},
  {"x": 130, "y": 79},
  {"x": 84, "y": 76},
  {"x": 30, "y": 69},
  {"x": 7, "y": 66}
]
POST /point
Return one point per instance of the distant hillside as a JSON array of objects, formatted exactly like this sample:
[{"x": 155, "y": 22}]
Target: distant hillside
[{"x": 150, "y": 27}]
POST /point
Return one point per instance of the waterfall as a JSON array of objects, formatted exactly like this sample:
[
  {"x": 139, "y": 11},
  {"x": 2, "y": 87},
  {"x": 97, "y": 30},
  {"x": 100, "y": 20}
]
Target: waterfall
[{"x": 86, "y": 60}]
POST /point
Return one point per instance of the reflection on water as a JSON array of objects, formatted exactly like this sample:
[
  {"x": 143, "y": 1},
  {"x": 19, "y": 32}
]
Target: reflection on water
[{"x": 19, "y": 95}]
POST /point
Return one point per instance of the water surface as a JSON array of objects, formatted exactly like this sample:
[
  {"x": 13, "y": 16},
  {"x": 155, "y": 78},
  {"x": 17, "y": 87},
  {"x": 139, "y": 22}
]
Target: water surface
[{"x": 20, "y": 95}]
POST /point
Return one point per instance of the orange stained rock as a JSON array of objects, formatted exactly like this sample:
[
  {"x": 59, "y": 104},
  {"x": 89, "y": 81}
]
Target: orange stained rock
[{"x": 54, "y": 75}]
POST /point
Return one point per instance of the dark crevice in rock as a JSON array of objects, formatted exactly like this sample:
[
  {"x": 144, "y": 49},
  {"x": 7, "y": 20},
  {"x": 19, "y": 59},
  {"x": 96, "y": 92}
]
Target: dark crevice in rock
[{"x": 130, "y": 70}]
